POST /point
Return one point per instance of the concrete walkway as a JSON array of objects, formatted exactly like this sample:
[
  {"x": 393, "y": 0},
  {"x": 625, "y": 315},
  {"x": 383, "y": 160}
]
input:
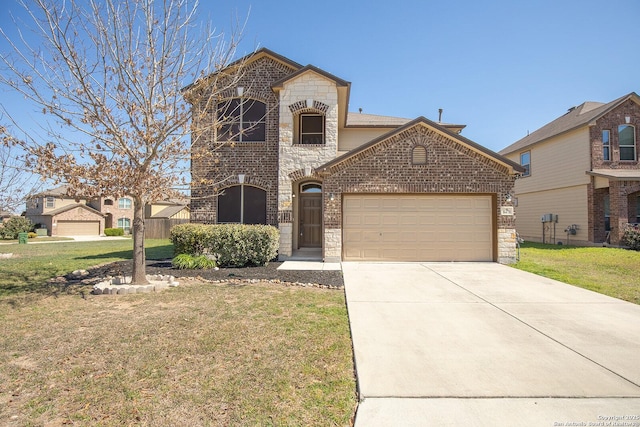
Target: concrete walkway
[{"x": 485, "y": 344}]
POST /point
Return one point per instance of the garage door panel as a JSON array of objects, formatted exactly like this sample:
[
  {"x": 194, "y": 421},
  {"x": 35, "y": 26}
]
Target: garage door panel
[
  {"x": 78, "y": 228},
  {"x": 418, "y": 227}
]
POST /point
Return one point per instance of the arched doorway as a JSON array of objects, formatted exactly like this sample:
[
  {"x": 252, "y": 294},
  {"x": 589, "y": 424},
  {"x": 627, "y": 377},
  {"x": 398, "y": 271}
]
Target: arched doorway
[{"x": 310, "y": 215}]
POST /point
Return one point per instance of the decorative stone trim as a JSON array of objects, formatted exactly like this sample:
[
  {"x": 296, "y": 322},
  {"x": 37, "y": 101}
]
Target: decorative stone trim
[
  {"x": 300, "y": 107},
  {"x": 122, "y": 285},
  {"x": 301, "y": 174},
  {"x": 285, "y": 216}
]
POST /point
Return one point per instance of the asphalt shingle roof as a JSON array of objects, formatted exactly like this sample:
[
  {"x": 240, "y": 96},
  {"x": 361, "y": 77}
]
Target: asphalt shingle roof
[{"x": 575, "y": 118}]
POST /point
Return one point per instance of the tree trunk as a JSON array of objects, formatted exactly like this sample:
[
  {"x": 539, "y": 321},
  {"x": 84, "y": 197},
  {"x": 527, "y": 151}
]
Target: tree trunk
[{"x": 139, "y": 276}]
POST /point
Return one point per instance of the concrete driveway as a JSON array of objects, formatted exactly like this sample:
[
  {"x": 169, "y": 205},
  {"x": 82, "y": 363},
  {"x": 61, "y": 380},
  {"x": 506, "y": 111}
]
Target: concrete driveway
[{"x": 486, "y": 344}]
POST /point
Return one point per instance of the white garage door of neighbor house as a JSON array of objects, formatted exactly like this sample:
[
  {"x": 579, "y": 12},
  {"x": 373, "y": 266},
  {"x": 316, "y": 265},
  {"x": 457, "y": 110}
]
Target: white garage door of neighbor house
[
  {"x": 78, "y": 228},
  {"x": 384, "y": 227}
]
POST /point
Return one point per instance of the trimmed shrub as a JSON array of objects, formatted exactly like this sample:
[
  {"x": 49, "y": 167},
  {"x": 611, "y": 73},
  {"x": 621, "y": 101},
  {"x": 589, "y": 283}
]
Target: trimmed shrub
[
  {"x": 15, "y": 225},
  {"x": 114, "y": 232},
  {"x": 631, "y": 236},
  {"x": 233, "y": 245},
  {"x": 199, "y": 262}
]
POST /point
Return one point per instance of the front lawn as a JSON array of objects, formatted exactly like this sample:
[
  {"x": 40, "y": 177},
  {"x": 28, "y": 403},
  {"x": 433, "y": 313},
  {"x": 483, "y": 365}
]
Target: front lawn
[
  {"x": 610, "y": 271},
  {"x": 34, "y": 263},
  {"x": 198, "y": 354}
]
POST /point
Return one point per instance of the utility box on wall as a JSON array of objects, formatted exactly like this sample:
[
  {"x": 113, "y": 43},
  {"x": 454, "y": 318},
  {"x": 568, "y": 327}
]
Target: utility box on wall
[{"x": 549, "y": 218}]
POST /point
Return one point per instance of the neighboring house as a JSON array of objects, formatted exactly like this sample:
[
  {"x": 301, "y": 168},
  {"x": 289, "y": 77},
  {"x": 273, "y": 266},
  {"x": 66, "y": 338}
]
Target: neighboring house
[
  {"x": 5, "y": 216},
  {"x": 347, "y": 186},
  {"x": 62, "y": 215},
  {"x": 583, "y": 170},
  {"x": 170, "y": 209}
]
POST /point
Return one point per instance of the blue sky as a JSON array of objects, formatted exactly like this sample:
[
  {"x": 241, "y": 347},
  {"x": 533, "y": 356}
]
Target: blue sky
[{"x": 501, "y": 67}]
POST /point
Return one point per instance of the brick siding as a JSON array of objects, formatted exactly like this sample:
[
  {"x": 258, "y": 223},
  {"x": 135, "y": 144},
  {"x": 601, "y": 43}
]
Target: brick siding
[{"x": 257, "y": 160}]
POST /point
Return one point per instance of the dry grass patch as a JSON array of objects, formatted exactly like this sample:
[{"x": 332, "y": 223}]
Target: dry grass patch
[{"x": 199, "y": 354}]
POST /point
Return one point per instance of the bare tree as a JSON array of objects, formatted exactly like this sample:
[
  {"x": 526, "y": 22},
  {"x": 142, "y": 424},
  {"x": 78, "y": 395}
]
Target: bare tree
[
  {"x": 16, "y": 182},
  {"x": 109, "y": 77}
]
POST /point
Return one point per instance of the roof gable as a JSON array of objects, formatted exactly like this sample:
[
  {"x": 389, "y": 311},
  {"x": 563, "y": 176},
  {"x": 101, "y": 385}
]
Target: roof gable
[
  {"x": 71, "y": 207},
  {"x": 439, "y": 129},
  {"x": 310, "y": 68},
  {"x": 577, "y": 117}
]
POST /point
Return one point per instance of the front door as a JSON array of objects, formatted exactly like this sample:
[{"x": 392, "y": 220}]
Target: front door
[{"x": 310, "y": 220}]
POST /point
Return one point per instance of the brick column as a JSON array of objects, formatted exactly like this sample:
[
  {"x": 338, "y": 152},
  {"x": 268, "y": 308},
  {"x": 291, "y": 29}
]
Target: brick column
[{"x": 619, "y": 211}]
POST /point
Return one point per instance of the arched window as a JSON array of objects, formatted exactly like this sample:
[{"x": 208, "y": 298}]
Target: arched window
[
  {"x": 242, "y": 120},
  {"x": 108, "y": 202},
  {"x": 244, "y": 204},
  {"x": 311, "y": 188},
  {"x": 627, "y": 141},
  {"x": 125, "y": 224},
  {"x": 419, "y": 155}
]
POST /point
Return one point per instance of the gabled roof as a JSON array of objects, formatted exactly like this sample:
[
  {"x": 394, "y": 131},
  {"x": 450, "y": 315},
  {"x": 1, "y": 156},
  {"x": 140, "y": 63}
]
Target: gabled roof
[
  {"x": 439, "y": 128},
  {"x": 575, "y": 118},
  {"x": 60, "y": 191},
  {"x": 70, "y": 207},
  {"x": 339, "y": 82},
  {"x": 253, "y": 56},
  {"x": 362, "y": 120},
  {"x": 262, "y": 52}
]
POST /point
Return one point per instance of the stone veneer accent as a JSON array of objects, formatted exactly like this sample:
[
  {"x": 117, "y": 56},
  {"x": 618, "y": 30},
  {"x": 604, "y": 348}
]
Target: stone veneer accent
[
  {"x": 293, "y": 157},
  {"x": 386, "y": 167}
]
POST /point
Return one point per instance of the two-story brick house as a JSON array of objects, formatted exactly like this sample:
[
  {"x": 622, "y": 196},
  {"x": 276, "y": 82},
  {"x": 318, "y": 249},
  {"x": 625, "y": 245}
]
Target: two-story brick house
[
  {"x": 583, "y": 169},
  {"x": 62, "y": 215},
  {"x": 345, "y": 186}
]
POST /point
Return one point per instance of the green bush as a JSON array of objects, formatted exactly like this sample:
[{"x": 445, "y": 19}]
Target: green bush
[
  {"x": 233, "y": 245},
  {"x": 15, "y": 225},
  {"x": 190, "y": 262},
  {"x": 631, "y": 236},
  {"x": 113, "y": 232}
]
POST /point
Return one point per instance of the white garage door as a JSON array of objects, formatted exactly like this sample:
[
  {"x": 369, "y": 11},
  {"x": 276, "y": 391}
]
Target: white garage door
[
  {"x": 383, "y": 227},
  {"x": 78, "y": 228}
]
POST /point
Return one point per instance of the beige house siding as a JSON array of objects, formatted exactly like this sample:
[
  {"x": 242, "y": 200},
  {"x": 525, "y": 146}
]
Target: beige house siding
[
  {"x": 569, "y": 203},
  {"x": 349, "y": 139},
  {"x": 37, "y": 206},
  {"x": 557, "y": 163},
  {"x": 183, "y": 214}
]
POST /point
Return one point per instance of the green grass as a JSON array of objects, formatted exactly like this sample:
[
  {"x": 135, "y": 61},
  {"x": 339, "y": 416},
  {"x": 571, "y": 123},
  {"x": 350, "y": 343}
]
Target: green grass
[
  {"x": 33, "y": 264},
  {"x": 610, "y": 271}
]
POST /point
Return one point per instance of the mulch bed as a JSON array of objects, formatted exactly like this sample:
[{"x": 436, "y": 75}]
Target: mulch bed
[{"x": 268, "y": 272}]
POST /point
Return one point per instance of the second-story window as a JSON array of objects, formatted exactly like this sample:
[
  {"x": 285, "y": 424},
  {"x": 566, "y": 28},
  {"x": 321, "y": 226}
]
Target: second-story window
[
  {"x": 124, "y": 203},
  {"x": 242, "y": 120},
  {"x": 525, "y": 162},
  {"x": 311, "y": 129},
  {"x": 627, "y": 142},
  {"x": 606, "y": 145},
  {"x": 50, "y": 202}
]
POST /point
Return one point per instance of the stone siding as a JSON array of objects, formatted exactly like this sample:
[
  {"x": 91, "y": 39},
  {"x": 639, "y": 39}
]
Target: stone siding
[{"x": 308, "y": 92}]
